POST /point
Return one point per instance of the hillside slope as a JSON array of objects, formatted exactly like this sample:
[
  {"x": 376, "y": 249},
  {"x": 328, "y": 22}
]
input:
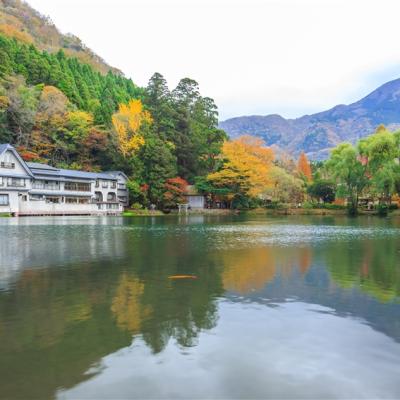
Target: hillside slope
[
  {"x": 315, "y": 134},
  {"x": 19, "y": 20}
]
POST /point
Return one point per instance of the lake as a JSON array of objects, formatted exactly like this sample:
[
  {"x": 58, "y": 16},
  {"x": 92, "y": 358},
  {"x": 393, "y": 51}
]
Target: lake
[{"x": 278, "y": 307}]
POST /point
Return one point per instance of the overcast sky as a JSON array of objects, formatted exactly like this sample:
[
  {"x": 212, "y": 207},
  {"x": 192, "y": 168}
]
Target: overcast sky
[{"x": 290, "y": 57}]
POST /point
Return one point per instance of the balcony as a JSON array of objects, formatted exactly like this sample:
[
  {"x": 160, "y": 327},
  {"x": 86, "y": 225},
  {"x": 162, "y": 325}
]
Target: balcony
[
  {"x": 16, "y": 183},
  {"x": 77, "y": 186},
  {"x": 47, "y": 186}
]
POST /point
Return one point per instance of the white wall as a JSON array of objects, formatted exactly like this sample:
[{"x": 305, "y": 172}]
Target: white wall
[
  {"x": 8, "y": 156},
  {"x": 195, "y": 201}
]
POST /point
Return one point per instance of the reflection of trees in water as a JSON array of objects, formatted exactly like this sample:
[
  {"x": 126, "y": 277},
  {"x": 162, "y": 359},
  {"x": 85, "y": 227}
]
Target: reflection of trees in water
[
  {"x": 54, "y": 326},
  {"x": 125, "y": 304},
  {"x": 250, "y": 269},
  {"x": 56, "y": 323},
  {"x": 372, "y": 267}
]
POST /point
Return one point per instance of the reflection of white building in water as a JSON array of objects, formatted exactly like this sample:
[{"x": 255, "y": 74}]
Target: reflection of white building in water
[{"x": 39, "y": 189}]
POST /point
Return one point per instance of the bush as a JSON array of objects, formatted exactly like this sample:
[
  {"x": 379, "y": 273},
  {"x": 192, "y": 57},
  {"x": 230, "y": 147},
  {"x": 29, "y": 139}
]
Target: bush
[
  {"x": 274, "y": 205},
  {"x": 324, "y": 206},
  {"x": 382, "y": 210},
  {"x": 136, "y": 206},
  {"x": 308, "y": 205}
]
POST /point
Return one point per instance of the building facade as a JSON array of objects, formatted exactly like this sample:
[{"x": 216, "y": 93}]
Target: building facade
[
  {"x": 194, "y": 199},
  {"x": 39, "y": 189}
]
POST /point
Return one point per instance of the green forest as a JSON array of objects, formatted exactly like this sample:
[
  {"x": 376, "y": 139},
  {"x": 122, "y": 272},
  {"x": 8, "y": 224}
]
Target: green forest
[{"x": 60, "y": 111}]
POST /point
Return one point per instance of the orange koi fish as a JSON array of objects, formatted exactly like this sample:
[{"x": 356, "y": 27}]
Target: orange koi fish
[{"x": 182, "y": 277}]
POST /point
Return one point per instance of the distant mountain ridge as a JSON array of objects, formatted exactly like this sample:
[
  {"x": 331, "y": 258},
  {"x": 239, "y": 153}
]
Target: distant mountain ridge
[{"x": 316, "y": 134}]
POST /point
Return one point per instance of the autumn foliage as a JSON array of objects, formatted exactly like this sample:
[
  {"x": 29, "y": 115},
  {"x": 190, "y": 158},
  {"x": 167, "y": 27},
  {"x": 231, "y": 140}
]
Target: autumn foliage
[
  {"x": 246, "y": 166},
  {"x": 304, "y": 168},
  {"x": 175, "y": 188},
  {"x": 127, "y": 123}
]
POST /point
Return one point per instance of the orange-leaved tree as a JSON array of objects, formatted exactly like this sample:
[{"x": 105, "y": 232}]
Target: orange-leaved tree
[
  {"x": 304, "y": 168},
  {"x": 128, "y": 122},
  {"x": 175, "y": 188},
  {"x": 246, "y": 166}
]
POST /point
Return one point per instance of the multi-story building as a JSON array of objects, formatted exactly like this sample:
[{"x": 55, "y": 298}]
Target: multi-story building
[{"x": 38, "y": 189}]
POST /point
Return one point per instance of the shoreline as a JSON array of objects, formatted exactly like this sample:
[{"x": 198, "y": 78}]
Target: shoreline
[
  {"x": 250, "y": 212},
  {"x": 262, "y": 211}
]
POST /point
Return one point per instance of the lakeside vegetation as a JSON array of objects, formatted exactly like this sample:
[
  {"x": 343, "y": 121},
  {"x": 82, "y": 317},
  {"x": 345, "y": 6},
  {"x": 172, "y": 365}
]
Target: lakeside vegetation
[{"x": 58, "y": 110}]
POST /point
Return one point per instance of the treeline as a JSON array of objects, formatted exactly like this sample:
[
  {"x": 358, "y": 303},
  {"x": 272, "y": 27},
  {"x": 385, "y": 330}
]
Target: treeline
[
  {"x": 365, "y": 175},
  {"x": 84, "y": 87},
  {"x": 57, "y": 110}
]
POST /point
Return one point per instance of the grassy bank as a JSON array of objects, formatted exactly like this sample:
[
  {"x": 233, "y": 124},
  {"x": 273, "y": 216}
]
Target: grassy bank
[
  {"x": 142, "y": 213},
  {"x": 313, "y": 211}
]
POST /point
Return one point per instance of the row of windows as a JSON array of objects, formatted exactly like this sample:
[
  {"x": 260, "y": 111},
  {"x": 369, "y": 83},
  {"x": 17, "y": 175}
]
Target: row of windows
[
  {"x": 5, "y": 164},
  {"x": 12, "y": 182},
  {"x": 50, "y": 185},
  {"x": 104, "y": 184},
  {"x": 58, "y": 199},
  {"x": 3, "y": 199},
  {"x": 78, "y": 186}
]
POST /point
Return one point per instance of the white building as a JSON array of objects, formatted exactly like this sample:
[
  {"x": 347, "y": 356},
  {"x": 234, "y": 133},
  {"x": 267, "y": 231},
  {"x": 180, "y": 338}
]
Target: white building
[
  {"x": 39, "y": 189},
  {"x": 194, "y": 199}
]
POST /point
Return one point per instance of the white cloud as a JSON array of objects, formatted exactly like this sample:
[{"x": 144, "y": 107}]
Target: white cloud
[{"x": 251, "y": 56}]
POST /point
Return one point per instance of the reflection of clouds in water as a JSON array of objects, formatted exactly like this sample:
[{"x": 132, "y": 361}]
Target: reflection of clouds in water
[{"x": 296, "y": 350}]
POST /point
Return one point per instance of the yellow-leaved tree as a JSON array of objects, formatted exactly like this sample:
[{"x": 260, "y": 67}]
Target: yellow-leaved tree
[
  {"x": 127, "y": 124},
  {"x": 246, "y": 166}
]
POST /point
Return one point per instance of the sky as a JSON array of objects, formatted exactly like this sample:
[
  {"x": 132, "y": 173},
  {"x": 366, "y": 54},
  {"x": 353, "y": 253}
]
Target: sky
[{"x": 288, "y": 57}]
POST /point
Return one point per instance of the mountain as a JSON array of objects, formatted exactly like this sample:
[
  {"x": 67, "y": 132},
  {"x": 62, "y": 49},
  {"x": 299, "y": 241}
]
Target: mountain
[
  {"x": 316, "y": 134},
  {"x": 20, "y": 21}
]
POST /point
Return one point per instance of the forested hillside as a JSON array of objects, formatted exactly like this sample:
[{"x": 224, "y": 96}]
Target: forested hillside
[
  {"x": 19, "y": 20},
  {"x": 86, "y": 88},
  {"x": 58, "y": 110}
]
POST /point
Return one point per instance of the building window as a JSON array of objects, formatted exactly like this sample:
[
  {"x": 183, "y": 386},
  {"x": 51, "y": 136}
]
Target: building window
[
  {"x": 4, "y": 200},
  {"x": 50, "y": 185},
  {"x": 36, "y": 197},
  {"x": 24, "y": 197},
  {"x": 77, "y": 200},
  {"x": 111, "y": 196},
  {"x": 98, "y": 197},
  {"x": 9, "y": 165},
  {"x": 16, "y": 182},
  {"x": 113, "y": 185},
  {"x": 97, "y": 183},
  {"x": 77, "y": 186},
  {"x": 53, "y": 200}
]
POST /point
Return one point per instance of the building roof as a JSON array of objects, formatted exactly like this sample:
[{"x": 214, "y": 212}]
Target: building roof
[
  {"x": 6, "y": 146},
  {"x": 43, "y": 170},
  {"x": 116, "y": 173},
  {"x": 41, "y": 166},
  {"x": 191, "y": 190},
  {"x": 3, "y": 148},
  {"x": 40, "y": 170}
]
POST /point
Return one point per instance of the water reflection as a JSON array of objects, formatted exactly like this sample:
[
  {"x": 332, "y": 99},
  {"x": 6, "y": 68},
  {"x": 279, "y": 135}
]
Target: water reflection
[{"x": 87, "y": 309}]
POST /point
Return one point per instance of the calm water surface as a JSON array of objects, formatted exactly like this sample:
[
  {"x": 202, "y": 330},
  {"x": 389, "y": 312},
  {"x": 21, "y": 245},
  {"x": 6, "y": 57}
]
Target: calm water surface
[{"x": 281, "y": 308}]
